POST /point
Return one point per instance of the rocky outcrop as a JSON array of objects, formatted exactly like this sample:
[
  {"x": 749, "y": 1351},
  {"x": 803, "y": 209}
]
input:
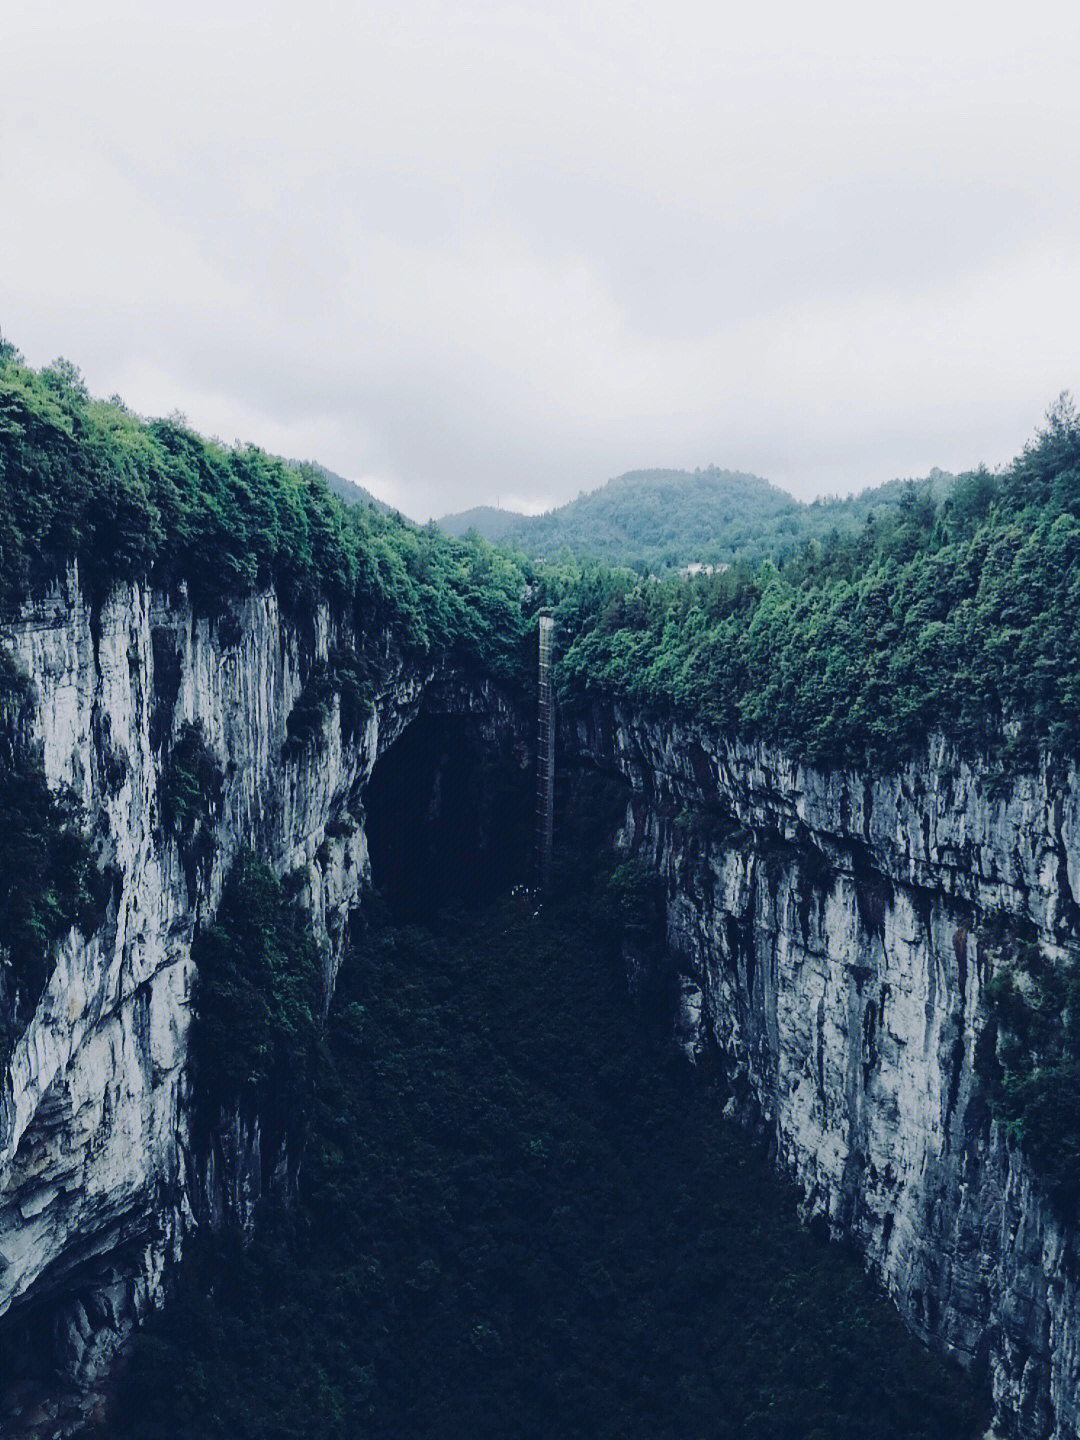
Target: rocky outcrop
[
  {"x": 833, "y": 935},
  {"x": 99, "y": 1178}
]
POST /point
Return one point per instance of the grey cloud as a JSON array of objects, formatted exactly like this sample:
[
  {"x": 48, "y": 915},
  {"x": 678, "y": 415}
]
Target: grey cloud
[{"x": 464, "y": 254}]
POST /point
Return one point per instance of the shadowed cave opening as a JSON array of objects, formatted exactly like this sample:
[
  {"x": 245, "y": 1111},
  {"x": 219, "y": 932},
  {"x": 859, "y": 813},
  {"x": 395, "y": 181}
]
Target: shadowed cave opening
[
  {"x": 68, "y": 1330},
  {"x": 449, "y": 817}
]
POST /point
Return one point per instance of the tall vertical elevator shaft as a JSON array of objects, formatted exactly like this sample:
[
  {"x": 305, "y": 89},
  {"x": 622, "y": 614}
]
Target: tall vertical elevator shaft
[{"x": 545, "y": 753}]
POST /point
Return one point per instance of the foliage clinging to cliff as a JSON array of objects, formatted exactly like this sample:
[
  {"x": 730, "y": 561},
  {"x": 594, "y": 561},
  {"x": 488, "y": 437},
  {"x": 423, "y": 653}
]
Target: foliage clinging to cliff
[
  {"x": 1029, "y": 1063},
  {"x": 258, "y": 999},
  {"x": 191, "y": 783},
  {"x": 48, "y": 879},
  {"x": 343, "y": 674}
]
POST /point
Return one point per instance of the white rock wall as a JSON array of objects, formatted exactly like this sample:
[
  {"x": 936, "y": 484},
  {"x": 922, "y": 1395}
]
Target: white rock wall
[
  {"x": 97, "y": 1189},
  {"x": 847, "y": 1004},
  {"x": 837, "y": 933}
]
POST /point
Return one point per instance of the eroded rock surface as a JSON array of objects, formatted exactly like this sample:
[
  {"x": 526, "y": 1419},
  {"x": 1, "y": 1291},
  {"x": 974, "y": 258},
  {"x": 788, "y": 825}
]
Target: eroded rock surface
[
  {"x": 836, "y": 929},
  {"x": 832, "y": 934},
  {"x": 99, "y": 1179}
]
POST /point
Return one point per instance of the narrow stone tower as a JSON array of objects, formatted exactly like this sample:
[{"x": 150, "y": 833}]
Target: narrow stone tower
[{"x": 545, "y": 753}]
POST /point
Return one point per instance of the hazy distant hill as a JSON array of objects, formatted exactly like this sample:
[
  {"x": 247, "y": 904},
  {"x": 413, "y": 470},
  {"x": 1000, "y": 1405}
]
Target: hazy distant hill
[
  {"x": 666, "y": 518},
  {"x": 494, "y": 525},
  {"x": 348, "y": 490}
]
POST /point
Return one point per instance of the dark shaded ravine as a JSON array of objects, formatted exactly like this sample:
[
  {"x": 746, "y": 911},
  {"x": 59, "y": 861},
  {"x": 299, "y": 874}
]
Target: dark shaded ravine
[{"x": 520, "y": 1214}]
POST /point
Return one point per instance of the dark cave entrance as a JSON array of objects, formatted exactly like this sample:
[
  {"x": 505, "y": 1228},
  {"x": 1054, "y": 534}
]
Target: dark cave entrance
[{"x": 449, "y": 817}]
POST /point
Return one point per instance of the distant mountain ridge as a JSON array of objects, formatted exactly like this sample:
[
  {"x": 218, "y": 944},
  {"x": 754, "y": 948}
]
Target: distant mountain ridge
[
  {"x": 492, "y": 523},
  {"x": 346, "y": 490},
  {"x": 662, "y": 519}
]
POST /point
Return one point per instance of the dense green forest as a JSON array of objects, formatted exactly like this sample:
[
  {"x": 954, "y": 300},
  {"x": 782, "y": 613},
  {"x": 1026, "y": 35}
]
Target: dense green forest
[
  {"x": 346, "y": 490},
  {"x": 953, "y": 607},
  {"x": 519, "y": 1217},
  {"x": 87, "y": 480},
  {"x": 962, "y": 617},
  {"x": 659, "y": 520}
]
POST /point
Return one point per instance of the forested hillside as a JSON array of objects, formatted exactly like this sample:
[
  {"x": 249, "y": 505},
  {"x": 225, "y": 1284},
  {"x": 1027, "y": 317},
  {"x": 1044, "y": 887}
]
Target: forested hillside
[
  {"x": 487, "y": 521},
  {"x": 961, "y": 616},
  {"x": 657, "y": 520},
  {"x": 346, "y": 490},
  {"x": 87, "y": 480}
]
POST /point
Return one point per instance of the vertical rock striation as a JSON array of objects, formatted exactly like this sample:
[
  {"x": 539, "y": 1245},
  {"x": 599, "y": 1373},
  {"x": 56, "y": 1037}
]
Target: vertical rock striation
[
  {"x": 835, "y": 934},
  {"x": 99, "y": 1179}
]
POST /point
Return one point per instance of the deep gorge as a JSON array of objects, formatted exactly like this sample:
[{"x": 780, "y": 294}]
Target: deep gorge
[
  {"x": 829, "y": 937},
  {"x": 518, "y": 1215},
  {"x": 836, "y": 934},
  {"x": 102, "y": 1176},
  {"x": 763, "y": 900}
]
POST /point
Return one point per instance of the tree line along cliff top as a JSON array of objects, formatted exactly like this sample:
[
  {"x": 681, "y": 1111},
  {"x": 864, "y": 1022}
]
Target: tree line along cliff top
[
  {"x": 130, "y": 499},
  {"x": 961, "y": 617},
  {"x": 952, "y": 607}
]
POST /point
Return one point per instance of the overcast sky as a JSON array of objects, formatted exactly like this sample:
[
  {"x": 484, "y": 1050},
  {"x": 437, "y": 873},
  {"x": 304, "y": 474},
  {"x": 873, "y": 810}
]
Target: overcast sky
[{"x": 471, "y": 252}]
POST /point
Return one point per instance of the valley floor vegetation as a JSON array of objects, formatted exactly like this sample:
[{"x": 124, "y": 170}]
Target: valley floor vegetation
[{"x": 520, "y": 1215}]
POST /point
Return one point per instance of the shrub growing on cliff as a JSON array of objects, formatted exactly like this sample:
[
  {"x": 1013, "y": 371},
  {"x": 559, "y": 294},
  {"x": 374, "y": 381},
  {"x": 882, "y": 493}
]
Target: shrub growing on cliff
[
  {"x": 258, "y": 999},
  {"x": 48, "y": 879},
  {"x": 191, "y": 783},
  {"x": 635, "y": 896},
  {"x": 1029, "y": 1063},
  {"x": 343, "y": 674},
  {"x": 311, "y": 713}
]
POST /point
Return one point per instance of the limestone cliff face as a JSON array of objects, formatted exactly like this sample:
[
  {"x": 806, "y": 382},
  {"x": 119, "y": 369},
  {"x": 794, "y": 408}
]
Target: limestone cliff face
[
  {"x": 832, "y": 931},
  {"x": 833, "y": 934},
  {"x": 99, "y": 1181}
]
